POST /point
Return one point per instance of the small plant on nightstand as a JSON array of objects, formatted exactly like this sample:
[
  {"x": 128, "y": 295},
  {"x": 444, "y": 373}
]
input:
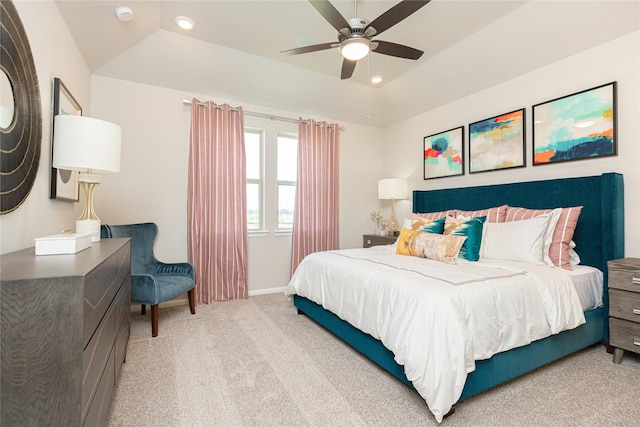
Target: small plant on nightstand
[{"x": 381, "y": 223}]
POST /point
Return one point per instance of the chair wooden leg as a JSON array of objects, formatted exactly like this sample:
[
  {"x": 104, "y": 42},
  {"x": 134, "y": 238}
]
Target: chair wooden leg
[
  {"x": 143, "y": 309},
  {"x": 192, "y": 301},
  {"x": 154, "y": 320}
]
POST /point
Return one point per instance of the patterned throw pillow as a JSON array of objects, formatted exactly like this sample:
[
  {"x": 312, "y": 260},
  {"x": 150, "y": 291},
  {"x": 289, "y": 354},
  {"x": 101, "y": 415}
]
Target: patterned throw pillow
[
  {"x": 496, "y": 214},
  {"x": 565, "y": 227},
  {"x": 472, "y": 230},
  {"x": 435, "y": 226},
  {"x": 428, "y": 245},
  {"x": 430, "y": 216}
]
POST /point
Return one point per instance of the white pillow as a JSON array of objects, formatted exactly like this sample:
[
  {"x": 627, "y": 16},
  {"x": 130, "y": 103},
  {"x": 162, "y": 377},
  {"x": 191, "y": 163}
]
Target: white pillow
[{"x": 526, "y": 241}]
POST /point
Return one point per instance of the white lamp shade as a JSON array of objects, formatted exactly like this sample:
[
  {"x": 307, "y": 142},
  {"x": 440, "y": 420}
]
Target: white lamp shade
[
  {"x": 82, "y": 143},
  {"x": 392, "y": 188}
]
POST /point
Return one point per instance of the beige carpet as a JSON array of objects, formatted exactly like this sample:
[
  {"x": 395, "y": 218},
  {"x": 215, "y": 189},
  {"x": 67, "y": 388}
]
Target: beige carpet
[{"x": 257, "y": 362}]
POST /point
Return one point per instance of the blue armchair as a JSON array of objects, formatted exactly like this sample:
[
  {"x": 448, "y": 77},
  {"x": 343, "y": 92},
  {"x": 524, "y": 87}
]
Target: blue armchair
[{"x": 152, "y": 281}]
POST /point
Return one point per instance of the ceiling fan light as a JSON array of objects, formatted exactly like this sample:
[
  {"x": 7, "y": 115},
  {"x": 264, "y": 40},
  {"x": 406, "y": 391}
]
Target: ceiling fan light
[{"x": 355, "y": 49}]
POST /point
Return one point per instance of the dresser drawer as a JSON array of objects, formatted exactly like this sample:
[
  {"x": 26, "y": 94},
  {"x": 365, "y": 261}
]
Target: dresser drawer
[
  {"x": 101, "y": 286},
  {"x": 625, "y": 334},
  {"x": 98, "y": 411},
  {"x": 95, "y": 357},
  {"x": 624, "y": 305}
]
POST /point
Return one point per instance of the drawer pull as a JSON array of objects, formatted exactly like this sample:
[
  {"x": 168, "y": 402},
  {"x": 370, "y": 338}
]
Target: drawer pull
[
  {"x": 636, "y": 341},
  {"x": 635, "y": 280},
  {"x": 636, "y": 310}
]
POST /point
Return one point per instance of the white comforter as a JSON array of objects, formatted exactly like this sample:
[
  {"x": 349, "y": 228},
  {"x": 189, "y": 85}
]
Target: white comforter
[{"x": 438, "y": 318}]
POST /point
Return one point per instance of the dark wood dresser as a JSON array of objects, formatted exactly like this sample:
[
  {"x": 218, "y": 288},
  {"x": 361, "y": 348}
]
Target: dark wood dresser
[{"x": 65, "y": 324}]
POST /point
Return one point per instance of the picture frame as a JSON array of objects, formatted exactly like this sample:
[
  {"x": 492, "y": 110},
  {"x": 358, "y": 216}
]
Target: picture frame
[
  {"x": 64, "y": 183},
  {"x": 498, "y": 142},
  {"x": 443, "y": 154},
  {"x": 579, "y": 126}
]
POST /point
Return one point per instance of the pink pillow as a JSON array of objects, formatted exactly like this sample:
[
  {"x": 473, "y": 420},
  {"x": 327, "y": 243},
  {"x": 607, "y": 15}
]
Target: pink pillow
[
  {"x": 496, "y": 214},
  {"x": 430, "y": 216},
  {"x": 562, "y": 235}
]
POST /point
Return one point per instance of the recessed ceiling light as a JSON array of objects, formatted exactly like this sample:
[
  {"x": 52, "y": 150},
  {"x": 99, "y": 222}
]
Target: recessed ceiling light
[
  {"x": 376, "y": 79},
  {"x": 185, "y": 23},
  {"x": 124, "y": 13}
]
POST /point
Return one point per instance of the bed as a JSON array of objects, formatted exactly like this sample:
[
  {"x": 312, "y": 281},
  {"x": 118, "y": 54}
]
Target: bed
[{"x": 599, "y": 237}]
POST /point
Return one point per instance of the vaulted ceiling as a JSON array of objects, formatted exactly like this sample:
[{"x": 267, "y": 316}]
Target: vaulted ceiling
[{"x": 234, "y": 51}]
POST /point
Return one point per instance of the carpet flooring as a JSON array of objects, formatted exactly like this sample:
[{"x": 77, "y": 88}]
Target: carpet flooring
[{"x": 256, "y": 362}]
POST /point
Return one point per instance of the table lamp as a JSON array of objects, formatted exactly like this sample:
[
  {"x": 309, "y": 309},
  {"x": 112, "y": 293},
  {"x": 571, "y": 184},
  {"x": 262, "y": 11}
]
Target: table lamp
[
  {"x": 90, "y": 146},
  {"x": 392, "y": 188}
]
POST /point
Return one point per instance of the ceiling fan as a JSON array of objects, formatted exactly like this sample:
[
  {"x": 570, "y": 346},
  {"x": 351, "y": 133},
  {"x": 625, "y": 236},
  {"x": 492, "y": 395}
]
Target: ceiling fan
[{"x": 355, "y": 35}]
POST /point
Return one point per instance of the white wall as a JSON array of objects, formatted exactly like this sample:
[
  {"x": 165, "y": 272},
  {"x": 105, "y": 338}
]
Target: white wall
[
  {"x": 152, "y": 184},
  {"x": 618, "y": 60},
  {"x": 55, "y": 54}
]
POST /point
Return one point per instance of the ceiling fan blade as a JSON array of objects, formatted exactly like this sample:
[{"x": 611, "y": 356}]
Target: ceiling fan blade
[
  {"x": 347, "y": 68},
  {"x": 307, "y": 49},
  {"x": 398, "y": 50},
  {"x": 330, "y": 13},
  {"x": 396, "y": 14}
]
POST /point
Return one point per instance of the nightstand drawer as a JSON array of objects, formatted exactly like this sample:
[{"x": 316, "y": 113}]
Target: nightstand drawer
[
  {"x": 624, "y": 274},
  {"x": 369, "y": 240},
  {"x": 625, "y": 334},
  {"x": 624, "y": 305}
]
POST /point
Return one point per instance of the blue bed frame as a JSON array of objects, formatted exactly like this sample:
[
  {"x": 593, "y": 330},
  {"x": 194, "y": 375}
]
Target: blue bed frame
[{"x": 599, "y": 238}]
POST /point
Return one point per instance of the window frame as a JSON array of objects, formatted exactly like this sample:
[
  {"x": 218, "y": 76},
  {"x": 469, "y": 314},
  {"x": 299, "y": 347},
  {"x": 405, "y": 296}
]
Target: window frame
[{"x": 260, "y": 181}]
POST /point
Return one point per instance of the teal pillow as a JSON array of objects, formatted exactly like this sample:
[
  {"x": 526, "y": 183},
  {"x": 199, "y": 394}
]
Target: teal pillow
[
  {"x": 472, "y": 229},
  {"x": 435, "y": 226}
]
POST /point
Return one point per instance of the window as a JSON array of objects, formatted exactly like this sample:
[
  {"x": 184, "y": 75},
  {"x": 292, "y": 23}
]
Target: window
[
  {"x": 253, "y": 151},
  {"x": 272, "y": 169},
  {"x": 287, "y": 172}
]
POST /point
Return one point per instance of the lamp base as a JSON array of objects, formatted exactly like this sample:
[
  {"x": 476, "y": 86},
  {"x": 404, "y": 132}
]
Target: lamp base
[{"x": 91, "y": 226}]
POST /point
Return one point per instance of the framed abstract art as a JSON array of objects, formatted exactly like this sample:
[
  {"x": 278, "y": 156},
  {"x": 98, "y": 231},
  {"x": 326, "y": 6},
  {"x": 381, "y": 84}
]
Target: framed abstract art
[
  {"x": 497, "y": 142},
  {"x": 443, "y": 154},
  {"x": 577, "y": 126},
  {"x": 64, "y": 183}
]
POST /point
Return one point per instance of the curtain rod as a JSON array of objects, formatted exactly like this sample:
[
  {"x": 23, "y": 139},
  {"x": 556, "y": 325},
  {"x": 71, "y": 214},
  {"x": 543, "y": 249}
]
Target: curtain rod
[{"x": 260, "y": 115}]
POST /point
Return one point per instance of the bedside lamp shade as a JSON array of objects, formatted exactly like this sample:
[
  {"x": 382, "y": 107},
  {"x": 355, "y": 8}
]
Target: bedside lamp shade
[
  {"x": 81, "y": 143},
  {"x": 90, "y": 146},
  {"x": 393, "y": 188}
]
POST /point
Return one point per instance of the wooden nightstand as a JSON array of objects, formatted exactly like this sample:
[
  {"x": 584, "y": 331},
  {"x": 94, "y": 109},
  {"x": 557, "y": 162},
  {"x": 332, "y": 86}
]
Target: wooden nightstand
[
  {"x": 624, "y": 306},
  {"x": 369, "y": 240}
]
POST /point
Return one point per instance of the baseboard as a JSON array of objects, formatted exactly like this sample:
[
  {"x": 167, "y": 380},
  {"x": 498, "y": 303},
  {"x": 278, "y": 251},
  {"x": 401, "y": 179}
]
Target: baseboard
[
  {"x": 184, "y": 301},
  {"x": 267, "y": 291}
]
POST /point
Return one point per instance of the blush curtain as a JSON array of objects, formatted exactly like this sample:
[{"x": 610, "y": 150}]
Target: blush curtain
[
  {"x": 315, "y": 220},
  {"x": 217, "y": 214}
]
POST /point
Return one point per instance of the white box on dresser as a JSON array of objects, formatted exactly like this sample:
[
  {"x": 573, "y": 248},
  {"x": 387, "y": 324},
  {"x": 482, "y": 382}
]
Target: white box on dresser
[
  {"x": 59, "y": 244},
  {"x": 624, "y": 306}
]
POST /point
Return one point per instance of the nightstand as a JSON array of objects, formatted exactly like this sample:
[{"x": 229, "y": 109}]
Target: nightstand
[
  {"x": 624, "y": 306},
  {"x": 369, "y": 240}
]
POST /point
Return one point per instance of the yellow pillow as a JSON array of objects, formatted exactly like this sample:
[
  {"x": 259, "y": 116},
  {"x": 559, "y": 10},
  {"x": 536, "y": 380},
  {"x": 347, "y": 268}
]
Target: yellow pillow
[{"x": 427, "y": 245}]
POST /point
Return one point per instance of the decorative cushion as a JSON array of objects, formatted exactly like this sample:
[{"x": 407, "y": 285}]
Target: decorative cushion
[
  {"x": 565, "y": 227},
  {"x": 472, "y": 229},
  {"x": 436, "y": 226},
  {"x": 428, "y": 245},
  {"x": 430, "y": 216},
  {"x": 517, "y": 240},
  {"x": 496, "y": 214}
]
